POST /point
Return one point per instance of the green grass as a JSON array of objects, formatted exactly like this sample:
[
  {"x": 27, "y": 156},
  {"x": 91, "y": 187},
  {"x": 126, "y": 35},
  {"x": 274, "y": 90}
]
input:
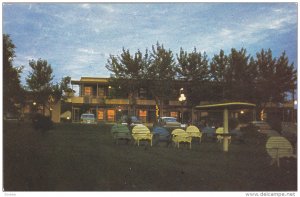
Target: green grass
[{"x": 74, "y": 157}]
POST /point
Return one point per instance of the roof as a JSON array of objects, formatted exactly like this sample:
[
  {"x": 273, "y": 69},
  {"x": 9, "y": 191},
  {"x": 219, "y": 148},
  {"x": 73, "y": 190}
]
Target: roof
[
  {"x": 90, "y": 80},
  {"x": 228, "y": 105}
]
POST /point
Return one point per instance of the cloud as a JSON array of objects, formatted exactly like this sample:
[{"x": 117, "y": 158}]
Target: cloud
[{"x": 78, "y": 38}]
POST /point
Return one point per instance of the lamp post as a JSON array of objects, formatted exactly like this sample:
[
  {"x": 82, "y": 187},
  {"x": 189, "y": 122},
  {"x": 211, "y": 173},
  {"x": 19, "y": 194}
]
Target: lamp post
[{"x": 181, "y": 99}]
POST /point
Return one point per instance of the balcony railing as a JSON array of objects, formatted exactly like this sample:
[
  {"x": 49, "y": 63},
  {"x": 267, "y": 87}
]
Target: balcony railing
[
  {"x": 97, "y": 100},
  {"x": 117, "y": 101},
  {"x": 174, "y": 103},
  {"x": 78, "y": 100},
  {"x": 145, "y": 102}
]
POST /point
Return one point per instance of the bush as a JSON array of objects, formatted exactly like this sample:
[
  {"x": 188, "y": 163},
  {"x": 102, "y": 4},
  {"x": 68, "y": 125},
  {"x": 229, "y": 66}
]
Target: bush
[{"x": 41, "y": 122}]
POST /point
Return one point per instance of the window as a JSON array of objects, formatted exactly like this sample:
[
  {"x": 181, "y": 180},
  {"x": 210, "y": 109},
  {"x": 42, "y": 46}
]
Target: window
[
  {"x": 100, "y": 115},
  {"x": 101, "y": 92},
  {"x": 88, "y": 91},
  {"x": 111, "y": 115},
  {"x": 143, "y": 115},
  {"x": 174, "y": 114}
]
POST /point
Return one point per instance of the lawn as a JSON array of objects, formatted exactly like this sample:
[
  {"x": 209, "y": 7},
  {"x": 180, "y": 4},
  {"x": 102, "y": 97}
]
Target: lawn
[{"x": 74, "y": 157}]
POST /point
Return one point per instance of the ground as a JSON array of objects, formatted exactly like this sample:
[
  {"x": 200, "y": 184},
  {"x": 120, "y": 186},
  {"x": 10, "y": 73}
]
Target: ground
[{"x": 74, "y": 157}]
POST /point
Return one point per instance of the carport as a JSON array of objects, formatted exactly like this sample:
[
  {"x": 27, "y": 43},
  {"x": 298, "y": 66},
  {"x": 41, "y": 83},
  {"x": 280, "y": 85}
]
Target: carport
[{"x": 225, "y": 107}]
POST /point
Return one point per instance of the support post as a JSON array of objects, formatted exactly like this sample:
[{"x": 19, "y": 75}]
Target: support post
[{"x": 225, "y": 125}]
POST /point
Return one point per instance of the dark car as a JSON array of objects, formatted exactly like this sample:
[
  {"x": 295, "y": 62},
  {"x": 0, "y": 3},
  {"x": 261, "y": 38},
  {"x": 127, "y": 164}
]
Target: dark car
[
  {"x": 161, "y": 134},
  {"x": 132, "y": 120}
]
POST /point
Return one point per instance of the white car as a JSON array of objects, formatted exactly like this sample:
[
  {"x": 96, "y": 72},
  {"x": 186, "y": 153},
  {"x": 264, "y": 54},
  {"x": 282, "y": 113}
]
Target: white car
[
  {"x": 169, "y": 122},
  {"x": 88, "y": 119}
]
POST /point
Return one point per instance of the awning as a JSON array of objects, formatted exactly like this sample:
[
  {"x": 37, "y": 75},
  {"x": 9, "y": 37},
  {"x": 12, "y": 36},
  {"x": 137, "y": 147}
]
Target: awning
[{"x": 226, "y": 105}]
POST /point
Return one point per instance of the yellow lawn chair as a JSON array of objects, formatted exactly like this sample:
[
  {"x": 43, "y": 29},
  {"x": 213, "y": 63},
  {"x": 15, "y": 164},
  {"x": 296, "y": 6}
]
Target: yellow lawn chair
[
  {"x": 120, "y": 132},
  {"x": 279, "y": 147},
  {"x": 219, "y": 133},
  {"x": 141, "y": 132},
  {"x": 179, "y": 135},
  {"x": 194, "y": 132}
]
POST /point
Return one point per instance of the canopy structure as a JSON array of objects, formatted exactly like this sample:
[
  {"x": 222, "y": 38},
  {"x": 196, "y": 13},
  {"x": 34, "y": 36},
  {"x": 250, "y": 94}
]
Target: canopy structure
[{"x": 225, "y": 107}]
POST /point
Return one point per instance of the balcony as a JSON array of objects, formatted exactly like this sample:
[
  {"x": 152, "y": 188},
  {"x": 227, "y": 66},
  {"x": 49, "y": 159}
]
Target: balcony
[
  {"x": 145, "y": 102},
  {"x": 77, "y": 100},
  {"x": 174, "y": 103},
  {"x": 116, "y": 101}
]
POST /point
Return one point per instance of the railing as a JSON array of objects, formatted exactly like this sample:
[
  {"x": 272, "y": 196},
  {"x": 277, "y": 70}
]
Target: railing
[
  {"x": 145, "y": 102},
  {"x": 174, "y": 103},
  {"x": 77, "y": 100},
  {"x": 117, "y": 101}
]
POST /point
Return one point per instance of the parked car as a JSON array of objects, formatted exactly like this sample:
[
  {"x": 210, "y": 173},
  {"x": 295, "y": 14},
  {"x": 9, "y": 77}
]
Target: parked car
[
  {"x": 133, "y": 120},
  {"x": 88, "y": 119},
  {"x": 168, "y": 122},
  {"x": 11, "y": 116},
  {"x": 263, "y": 127},
  {"x": 161, "y": 134}
]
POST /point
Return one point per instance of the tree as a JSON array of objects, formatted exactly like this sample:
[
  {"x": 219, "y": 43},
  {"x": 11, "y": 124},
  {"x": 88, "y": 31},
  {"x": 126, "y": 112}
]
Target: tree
[
  {"x": 239, "y": 76},
  {"x": 39, "y": 82},
  {"x": 128, "y": 73},
  {"x": 275, "y": 78},
  {"x": 160, "y": 75},
  {"x": 12, "y": 90},
  {"x": 192, "y": 68},
  {"x": 218, "y": 70}
]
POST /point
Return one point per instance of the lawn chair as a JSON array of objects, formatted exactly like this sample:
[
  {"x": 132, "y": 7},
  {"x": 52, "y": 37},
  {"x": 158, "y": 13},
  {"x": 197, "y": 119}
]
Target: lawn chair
[
  {"x": 279, "y": 147},
  {"x": 141, "y": 132},
  {"x": 194, "y": 132},
  {"x": 120, "y": 132},
  {"x": 220, "y": 133},
  {"x": 179, "y": 136}
]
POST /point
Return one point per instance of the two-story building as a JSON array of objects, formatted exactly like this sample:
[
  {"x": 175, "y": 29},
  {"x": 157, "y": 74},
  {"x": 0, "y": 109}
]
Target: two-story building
[{"x": 96, "y": 96}]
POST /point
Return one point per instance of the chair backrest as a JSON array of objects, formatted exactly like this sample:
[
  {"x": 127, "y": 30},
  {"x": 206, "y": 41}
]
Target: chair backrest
[
  {"x": 140, "y": 129},
  {"x": 220, "y": 130},
  {"x": 119, "y": 128},
  {"x": 178, "y": 131},
  {"x": 192, "y": 129}
]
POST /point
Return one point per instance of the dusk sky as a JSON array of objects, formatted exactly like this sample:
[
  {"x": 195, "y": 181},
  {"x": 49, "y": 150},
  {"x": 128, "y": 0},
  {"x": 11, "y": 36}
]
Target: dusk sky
[{"x": 76, "y": 39}]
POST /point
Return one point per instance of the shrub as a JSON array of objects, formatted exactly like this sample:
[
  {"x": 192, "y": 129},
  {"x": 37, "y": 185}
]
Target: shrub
[{"x": 41, "y": 122}]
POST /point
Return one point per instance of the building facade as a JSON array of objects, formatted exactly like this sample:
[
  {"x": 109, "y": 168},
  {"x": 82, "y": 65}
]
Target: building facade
[{"x": 97, "y": 96}]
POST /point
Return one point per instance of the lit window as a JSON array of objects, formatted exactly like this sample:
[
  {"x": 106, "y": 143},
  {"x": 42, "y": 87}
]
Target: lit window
[
  {"x": 174, "y": 114},
  {"x": 111, "y": 115},
  {"x": 87, "y": 91},
  {"x": 100, "y": 115}
]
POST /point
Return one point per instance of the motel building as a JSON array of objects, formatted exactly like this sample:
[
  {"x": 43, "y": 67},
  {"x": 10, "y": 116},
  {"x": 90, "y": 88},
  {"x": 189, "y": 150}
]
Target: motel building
[{"x": 97, "y": 96}]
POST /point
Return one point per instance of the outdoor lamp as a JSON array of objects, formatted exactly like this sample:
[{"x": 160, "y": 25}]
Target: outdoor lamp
[
  {"x": 34, "y": 103},
  {"x": 182, "y": 98}
]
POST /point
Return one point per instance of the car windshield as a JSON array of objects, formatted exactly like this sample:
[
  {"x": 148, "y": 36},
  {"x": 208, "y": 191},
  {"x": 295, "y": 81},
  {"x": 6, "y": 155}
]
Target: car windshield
[
  {"x": 90, "y": 116},
  {"x": 170, "y": 119},
  {"x": 134, "y": 119}
]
